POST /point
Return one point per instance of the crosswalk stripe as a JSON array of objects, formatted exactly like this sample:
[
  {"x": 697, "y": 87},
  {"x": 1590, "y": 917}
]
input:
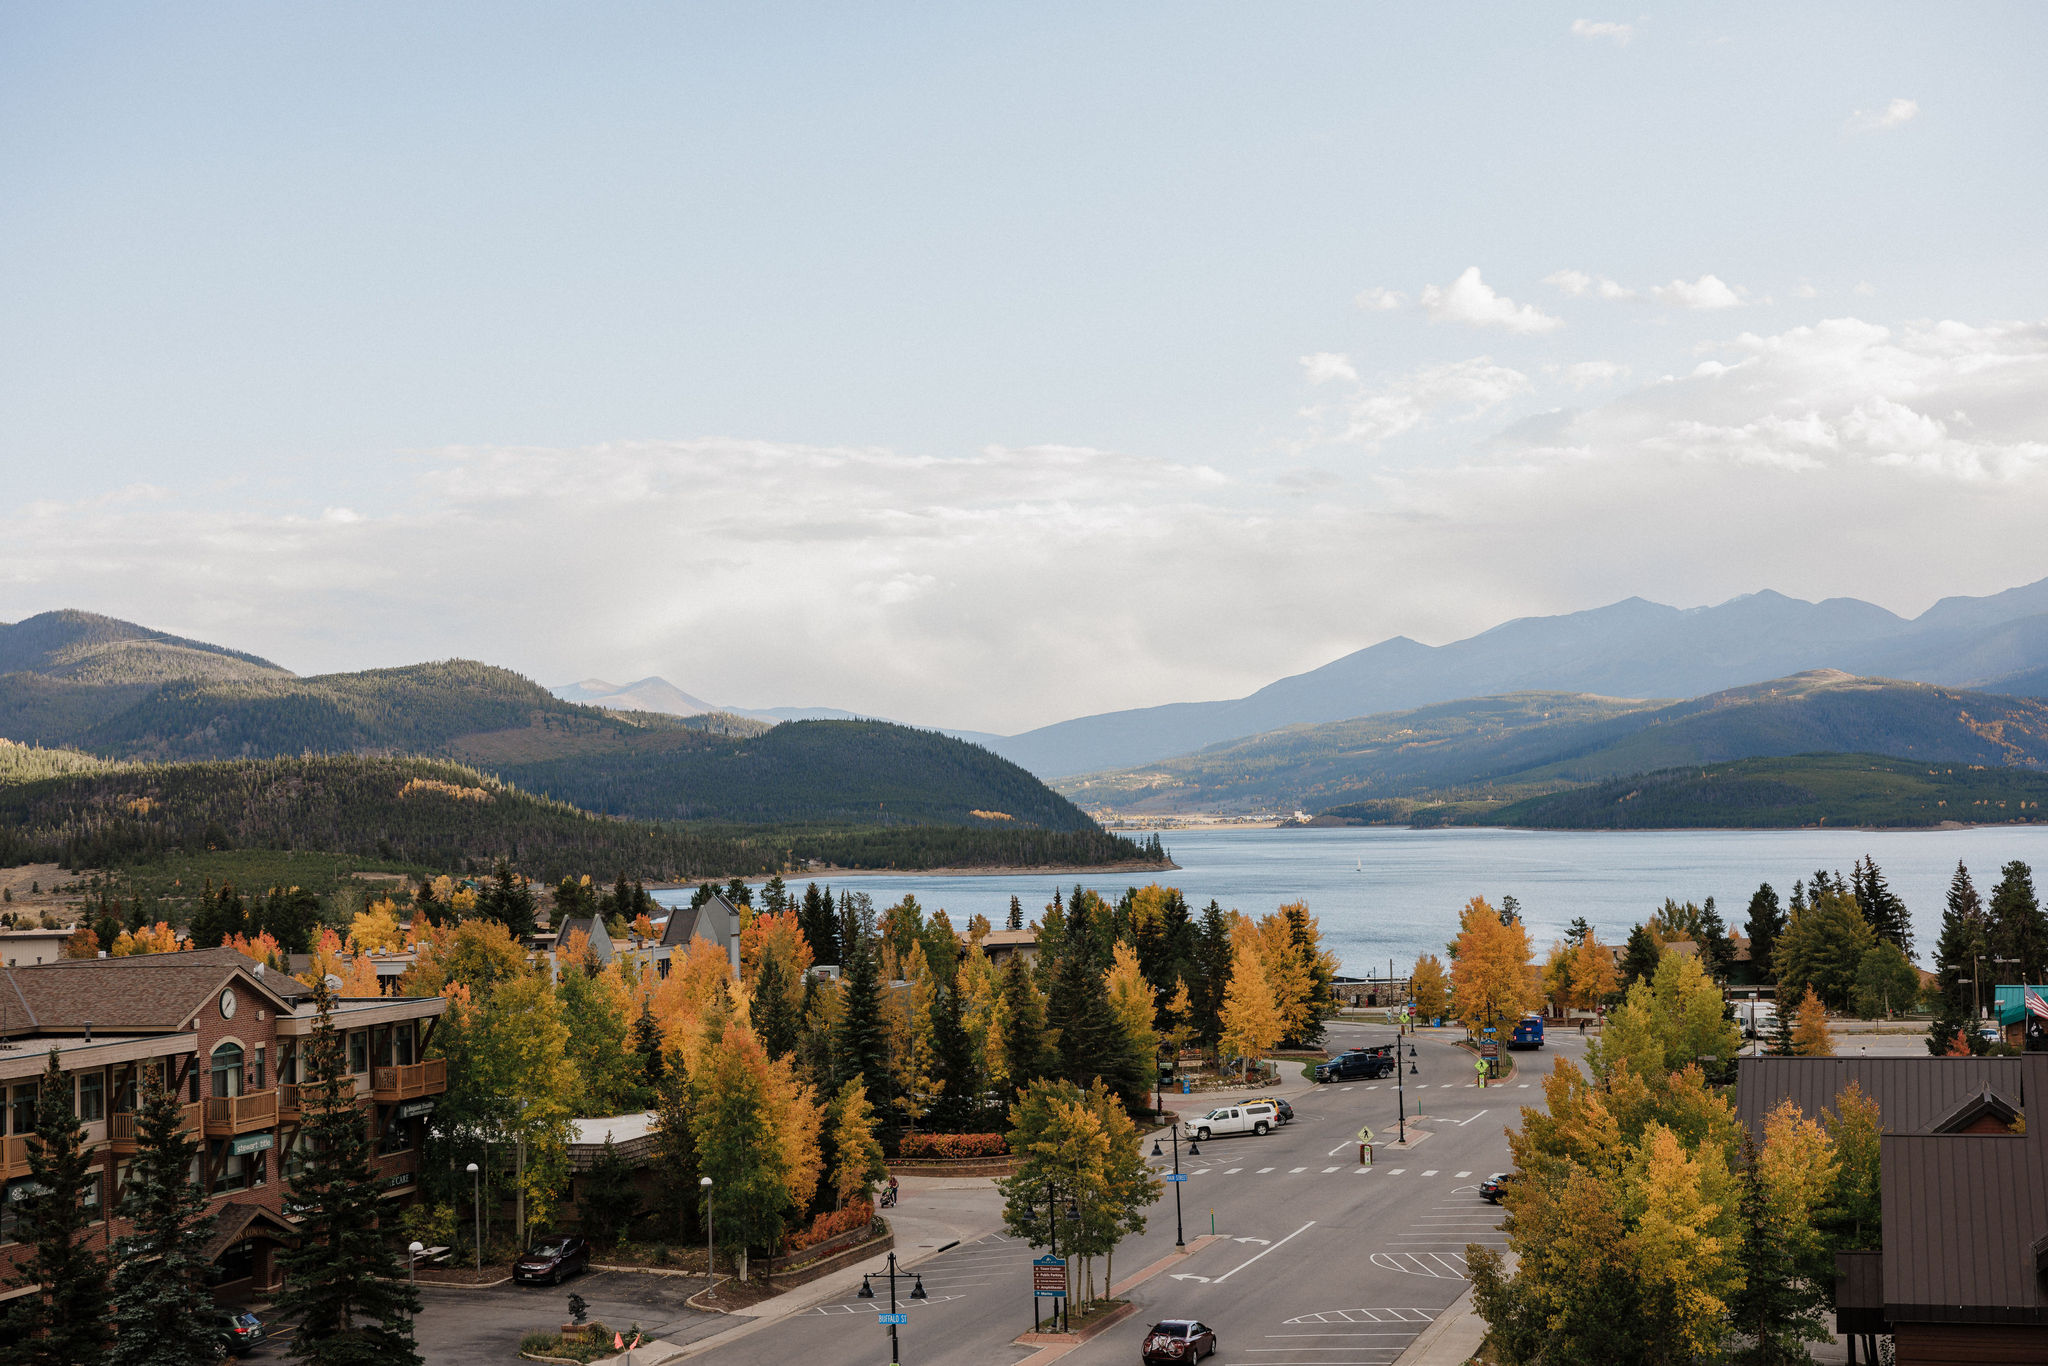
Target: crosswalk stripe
[
  {"x": 1363, "y": 1171},
  {"x": 1462, "y": 1174},
  {"x": 1429, "y": 1173},
  {"x": 1263, "y": 1170},
  {"x": 1328, "y": 1170},
  {"x": 1296, "y": 1171}
]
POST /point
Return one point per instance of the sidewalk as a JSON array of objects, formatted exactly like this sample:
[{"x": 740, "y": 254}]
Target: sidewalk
[
  {"x": 932, "y": 1213},
  {"x": 1451, "y": 1340}
]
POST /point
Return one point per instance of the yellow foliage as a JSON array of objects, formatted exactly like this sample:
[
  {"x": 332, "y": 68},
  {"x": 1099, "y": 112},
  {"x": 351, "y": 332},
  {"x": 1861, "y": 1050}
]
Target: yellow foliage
[
  {"x": 1490, "y": 972},
  {"x": 696, "y": 990},
  {"x": 263, "y": 949},
  {"x": 776, "y": 935},
  {"x": 375, "y": 928},
  {"x": 1593, "y": 978},
  {"x": 1251, "y": 1019},
  {"x": 421, "y": 786},
  {"x": 1810, "y": 1028},
  {"x": 1131, "y": 998},
  {"x": 1430, "y": 988},
  {"x": 157, "y": 938}
]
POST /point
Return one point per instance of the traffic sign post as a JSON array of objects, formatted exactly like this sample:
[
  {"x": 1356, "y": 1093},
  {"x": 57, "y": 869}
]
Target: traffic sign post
[{"x": 1048, "y": 1282}]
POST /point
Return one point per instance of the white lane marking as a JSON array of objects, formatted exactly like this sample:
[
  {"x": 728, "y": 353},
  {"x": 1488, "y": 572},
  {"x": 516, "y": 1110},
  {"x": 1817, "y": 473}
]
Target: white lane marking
[
  {"x": 1429, "y": 1173},
  {"x": 1338, "y": 1149},
  {"x": 1256, "y": 1255},
  {"x": 1262, "y": 1171},
  {"x": 1363, "y": 1171},
  {"x": 1423, "y": 1087},
  {"x": 1296, "y": 1171},
  {"x": 1328, "y": 1170},
  {"x": 1344, "y": 1088},
  {"x": 1396, "y": 1171},
  {"x": 1464, "y": 1174},
  {"x": 1461, "y": 1123},
  {"x": 1521, "y": 1085}
]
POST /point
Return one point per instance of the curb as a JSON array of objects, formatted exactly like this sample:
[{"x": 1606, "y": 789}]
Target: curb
[
  {"x": 558, "y": 1361},
  {"x": 463, "y": 1285},
  {"x": 1072, "y": 1340}
]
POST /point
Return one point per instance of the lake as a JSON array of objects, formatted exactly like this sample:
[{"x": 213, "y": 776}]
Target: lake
[{"x": 1385, "y": 894}]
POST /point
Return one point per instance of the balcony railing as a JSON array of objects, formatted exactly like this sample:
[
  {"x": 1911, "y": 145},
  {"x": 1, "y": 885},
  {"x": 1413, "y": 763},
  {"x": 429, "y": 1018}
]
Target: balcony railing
[
  {"x": 228, "y": 1115},
  {"x": 121, "y": 1127},
  {"x": 428, "y": 1078},
  {"x": 13, "y": 1157}
]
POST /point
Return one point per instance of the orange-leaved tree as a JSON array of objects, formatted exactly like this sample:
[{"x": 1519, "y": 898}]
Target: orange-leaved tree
[{"x": 1490, "y": 975}]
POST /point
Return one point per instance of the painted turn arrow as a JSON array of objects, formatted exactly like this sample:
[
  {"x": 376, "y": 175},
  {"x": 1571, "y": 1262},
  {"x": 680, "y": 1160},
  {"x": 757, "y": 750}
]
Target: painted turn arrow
[
  {"x": 1251, "y": 1240},
  {"x": 1187, "y": 1276}
]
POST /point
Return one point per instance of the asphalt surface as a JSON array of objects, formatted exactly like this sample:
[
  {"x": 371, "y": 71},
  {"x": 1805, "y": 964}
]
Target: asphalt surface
[{"x": 1320, "y": 1262}]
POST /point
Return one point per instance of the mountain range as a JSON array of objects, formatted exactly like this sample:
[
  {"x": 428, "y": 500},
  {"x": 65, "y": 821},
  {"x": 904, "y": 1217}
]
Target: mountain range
[
  {"x": 1499, "y": 749},
  {"x": 125, "y": 692},
  {"x": 1630, "y": 649}
]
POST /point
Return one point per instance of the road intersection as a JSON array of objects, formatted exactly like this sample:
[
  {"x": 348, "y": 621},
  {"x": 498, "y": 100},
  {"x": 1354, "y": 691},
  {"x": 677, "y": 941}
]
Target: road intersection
[{"x": 1319, "y": 1260}]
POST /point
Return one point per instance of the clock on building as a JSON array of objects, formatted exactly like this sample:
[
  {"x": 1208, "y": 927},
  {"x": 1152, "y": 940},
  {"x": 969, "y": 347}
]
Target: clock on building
[{"x": 227, "y": 1004}]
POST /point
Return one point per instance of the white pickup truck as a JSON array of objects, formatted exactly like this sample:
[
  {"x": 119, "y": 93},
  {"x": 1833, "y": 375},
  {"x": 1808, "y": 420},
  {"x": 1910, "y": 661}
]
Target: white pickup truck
[{"x": 1232, "y": 1119}]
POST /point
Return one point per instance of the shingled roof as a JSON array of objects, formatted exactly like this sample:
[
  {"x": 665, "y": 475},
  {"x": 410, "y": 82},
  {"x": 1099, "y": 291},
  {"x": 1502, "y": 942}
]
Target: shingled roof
[{"x": 142, "y": 994}]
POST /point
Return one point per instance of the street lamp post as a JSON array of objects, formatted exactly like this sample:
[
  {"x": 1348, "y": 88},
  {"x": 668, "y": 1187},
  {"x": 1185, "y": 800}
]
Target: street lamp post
[
  {"x": 1179, "y": 1238},
  {"x": 412, "y": 1267},
  {"x": 867, "y": 1292},
  {"x": 1401, "y": 1091},
  {"x": 476, "y": 1181},
  {"x": 710, "y": 1278}
]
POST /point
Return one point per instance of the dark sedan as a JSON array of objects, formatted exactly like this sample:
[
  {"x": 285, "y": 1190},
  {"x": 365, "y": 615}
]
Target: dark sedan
[
  {"x": 1492, "y": 1188},
  {"x": 552, "y": 1260},
  {"x": 1178, "y": 1340}
]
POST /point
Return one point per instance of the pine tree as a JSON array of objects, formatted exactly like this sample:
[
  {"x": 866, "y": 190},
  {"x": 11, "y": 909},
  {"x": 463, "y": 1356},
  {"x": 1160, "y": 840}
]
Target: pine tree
[
  {"x": 610, "y": 1202},
  {"x": 647, "y": 1042},
  {"x": 775, "y": 894},
  {"x": 1823, "y": 946},
  {"x": 675, "y": 1148},
  {"x": 1964, "y": 939},
  {"x": 1016, "y": 921},
  {"x": 861, "y": 1044},
  {"x": 1023, "y": 1026},
  {"x": 1882, "y": 910},
  {"x": 1090, "y": 1042},
  {"x": 1639, "y": 957},
  {"x": 2018, "y": 928},
  {"x": 509, "y": 901},
  {"x": 343, "y": 1286},
  {"x": 1211, "y": 975},
  {"x": 160, "y": 1294},
  {"x": 1766, "y": 923},
  {"x": 774, "y": 1007},
  {"x": 960, "y": 1085},
  {"x": 1322, "y": 994},
  {"x": 1776, "y": 1309},
  {"x": 64, "y": 1321}
]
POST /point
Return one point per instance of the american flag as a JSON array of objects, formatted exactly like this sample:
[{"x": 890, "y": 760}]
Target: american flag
[{"x": 2035, "y": 1005}]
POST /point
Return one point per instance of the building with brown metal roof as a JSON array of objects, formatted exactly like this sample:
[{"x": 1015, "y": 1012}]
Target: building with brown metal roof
[
  {"x": 227, "y": 1035},
  {"x": 1964, "y": 1186}
]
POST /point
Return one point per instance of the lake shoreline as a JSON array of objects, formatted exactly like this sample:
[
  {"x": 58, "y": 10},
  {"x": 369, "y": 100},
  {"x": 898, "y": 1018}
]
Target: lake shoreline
[{"x": 992, "y": 870}]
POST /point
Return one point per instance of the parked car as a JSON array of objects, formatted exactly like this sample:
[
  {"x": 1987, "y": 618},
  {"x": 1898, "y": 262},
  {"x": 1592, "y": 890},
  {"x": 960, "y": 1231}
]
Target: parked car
[
  {"x": 1225, "y": 1120},
  {"x": 1280, "y": 1107},
  {"x": 553, "y": 1260},
  {"x": 1177, "y": 1340},
  {"x": 1491, "y": 1188},
  {"x": 1356, "y": 1064},
  {"x": 239, "y": 1330}
]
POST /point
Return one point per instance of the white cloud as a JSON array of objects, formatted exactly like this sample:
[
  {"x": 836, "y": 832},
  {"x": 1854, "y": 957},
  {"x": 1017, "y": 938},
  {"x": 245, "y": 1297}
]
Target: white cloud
[
  {"x": 1706, "y": 292},
  {"x": 1590, "y": 372},
  {"x": 1865, "y": 289},
  {"x": 1897, "y": 113},
  {"x": 1325, "y": 366},
  {"x": 1472, "y": 301},
  {"x": 1377, "y": 299},
  {"x": 1601, "y": 28},
  {"x": 1577, "y": 284},
  {"x": 1012, "y": 586},
  {"x": 1803, "y": 290}
]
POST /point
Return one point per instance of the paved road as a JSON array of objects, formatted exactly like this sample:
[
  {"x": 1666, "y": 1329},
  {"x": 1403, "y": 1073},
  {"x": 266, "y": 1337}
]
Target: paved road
[{"x": 1321, "y": 1262}]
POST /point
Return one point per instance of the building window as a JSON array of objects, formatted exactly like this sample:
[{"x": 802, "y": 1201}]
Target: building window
[
  {"x": 256, "y": 1070},
  {"x": 397, "y": 1135},
  {"x": 232, "y": 1171},
  {"x": 227, "y": 1070},
  {"x": 380, "y": 1045},
  {"x": 89, "y": 1198},
  {"x": 359, "y": 1052},
  {"x": 24, "y": 1109},
  {"x": 92, "y": 1096},
  {"x": 238, "y": 1263}
]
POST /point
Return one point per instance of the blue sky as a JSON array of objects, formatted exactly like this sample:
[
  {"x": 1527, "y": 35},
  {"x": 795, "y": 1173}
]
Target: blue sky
[{"x": 984, "y": 366}]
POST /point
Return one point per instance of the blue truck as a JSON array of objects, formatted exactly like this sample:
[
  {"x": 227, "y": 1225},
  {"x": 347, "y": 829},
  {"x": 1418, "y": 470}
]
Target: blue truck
[{"x": 1528, "y": 1032}]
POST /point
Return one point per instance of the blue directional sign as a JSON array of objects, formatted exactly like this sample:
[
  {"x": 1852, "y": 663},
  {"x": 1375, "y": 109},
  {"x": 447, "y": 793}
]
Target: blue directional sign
[
  {"x": 886, "y": 1319},
  {"x": 1177, "y": 1176}
]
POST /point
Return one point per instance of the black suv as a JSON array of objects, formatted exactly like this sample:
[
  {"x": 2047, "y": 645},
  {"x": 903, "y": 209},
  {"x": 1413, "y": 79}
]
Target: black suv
[{"x": 1366, "y": 1063}]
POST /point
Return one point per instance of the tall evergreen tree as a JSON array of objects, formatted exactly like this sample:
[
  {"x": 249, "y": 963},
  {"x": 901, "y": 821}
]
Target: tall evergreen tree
[
  {"x": 775, "y": 1007},
  {"x": 1023, "y": 1026},
  {"x": 1882, "y": 909},
  {"x": 218, "y": 916},
  {"x": 1211, "y": 978},
  {"x": 1016, "y": 921},
  {"x": 675, "y": 1150},
  {"x": 1777, "y": 1308},
  {"x": 647, "y": 1043},
  {"x": 775, "y": 894},
  {"x": 1965, "y": 938},
  {"x": 1322, "y": 992},
  {"x": 160, "y": 1294},
  {"x": 508, "y": 900},
  {"x": 343, "y": 1285},
  {"x": 1766, "y": 923},
  {"x": 62, "y": 1321},
  {"x": 1091, "y": 1042},
  {"x": 1639, "y": 957},
  {"x": 819, "y": 924},
  {"x": 2018, "y": 928},
  {"x": 861, "y": 1044},
  {"x": 959, "y": 1099}
]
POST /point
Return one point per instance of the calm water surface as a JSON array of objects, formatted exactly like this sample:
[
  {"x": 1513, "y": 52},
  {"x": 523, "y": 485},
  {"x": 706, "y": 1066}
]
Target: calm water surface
[{"x": 1391, "y": 893}]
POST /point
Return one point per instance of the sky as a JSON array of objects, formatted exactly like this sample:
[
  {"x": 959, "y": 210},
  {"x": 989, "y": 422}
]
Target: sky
[{"x": 983, "y": 366}]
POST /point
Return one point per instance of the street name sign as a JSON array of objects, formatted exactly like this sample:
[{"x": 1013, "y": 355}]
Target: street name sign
[{"x": 884, "y": 1320}]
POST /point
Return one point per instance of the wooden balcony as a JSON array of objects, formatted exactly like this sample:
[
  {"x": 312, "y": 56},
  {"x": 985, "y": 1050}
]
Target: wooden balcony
[
  {"x": 13, "y": 1157},
  {"x": 291, "y": 1099},
  {"x": 227, "y": 1116},
  {"x": 428, "y": 1078},
  {"x": 121, "y": 1127}
]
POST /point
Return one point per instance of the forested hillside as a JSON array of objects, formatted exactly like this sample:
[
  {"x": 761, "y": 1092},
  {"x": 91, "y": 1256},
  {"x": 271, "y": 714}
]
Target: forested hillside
[
  {"x": 87, "y": 648},
  {"x": 844, "y": 772},
  {"x": 1524, "y": 744},
  {"x": 438, "y": 814},
  {"x": 1805, "y": 790}
]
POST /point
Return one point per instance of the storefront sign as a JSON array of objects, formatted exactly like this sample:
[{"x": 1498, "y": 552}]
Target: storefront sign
[
  {"x": 251, "y": 1143},
  {"x": 413, "y": 1109},
  {"x": 398, "y": 1182}
]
